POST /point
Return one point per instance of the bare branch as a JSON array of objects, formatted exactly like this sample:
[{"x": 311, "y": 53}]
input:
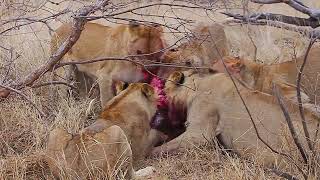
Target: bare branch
[
  {"x": 290, "y": 124},
  {"x": 266, "y": 1},
  {"x": 140, "y": 63},
  {"x": 296, "y": 4},
  {"x": 313, "y": 34},
  {"x": 53, "y": 83},
  {"x": 265, "y": 18},
  {"x": 160, "y": 4},
  {"x": 77, "y": 27},
  {"x": 303, "y": 119},
  {"x": 30, "y": 21},
  {"x": 277, "y": 17}
]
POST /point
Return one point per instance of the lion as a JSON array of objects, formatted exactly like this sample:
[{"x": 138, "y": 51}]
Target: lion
[
  {"x": 208, "y": 44},
  {"x": 211, "y": 107},
  {"x": 114, "y": 143},
  {"x": 99, "y": 41},
  {"x": 261, "y": 77}
]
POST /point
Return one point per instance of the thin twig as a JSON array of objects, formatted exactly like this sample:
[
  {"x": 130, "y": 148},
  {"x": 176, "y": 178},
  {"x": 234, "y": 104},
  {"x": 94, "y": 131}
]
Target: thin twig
[
  {"x": 155, "y": 64},
  {"x": 290, "y": 124},
  {"x": 53, "y": 83},
  {"x": 303, "y": 119},
  {"x": 31, "y": 21},
  {"x": 160, "y": 4}
]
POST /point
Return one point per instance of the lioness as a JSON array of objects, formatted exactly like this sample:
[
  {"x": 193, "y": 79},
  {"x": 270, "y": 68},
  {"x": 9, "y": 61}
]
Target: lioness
[
  {"x": 211, "y": 107},
  {"x": 208, "y": 44},
  {"x": 114, "y": 143},
  {"x": 98, "y": 41},
  {"x": 260, "y": 77}
]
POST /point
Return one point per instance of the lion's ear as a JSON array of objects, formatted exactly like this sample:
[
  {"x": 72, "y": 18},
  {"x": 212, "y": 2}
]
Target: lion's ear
[
  {"x": 119, "y": 86},
  {"x": 155, "y": 25},
  {"x": 136, "y": 28},
  {"x": 177, "y": 77},
  {"x": 234, "y": 65},
  {"x": 147, "y": 90}
]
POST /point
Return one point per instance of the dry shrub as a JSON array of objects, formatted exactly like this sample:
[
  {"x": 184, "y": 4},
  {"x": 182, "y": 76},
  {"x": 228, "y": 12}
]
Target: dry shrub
[
  {"x": 21, "y": 130},
  {"x": 207, "y": 162}
]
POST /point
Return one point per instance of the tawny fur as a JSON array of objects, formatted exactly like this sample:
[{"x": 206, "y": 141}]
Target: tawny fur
[
  {"x": 98, "y": 41},
  {"x": 113, "y": 144},
  {"x": 214, "y": 108},
  {"x": 261, "y": 77},
  {"x": 207, "y": 46}
]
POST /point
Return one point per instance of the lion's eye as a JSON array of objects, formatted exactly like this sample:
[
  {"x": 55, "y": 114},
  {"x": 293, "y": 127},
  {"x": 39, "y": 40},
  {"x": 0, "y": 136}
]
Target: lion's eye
[
  {"x": 125, "y": 86},
  {"x": 181, "y": 81}
]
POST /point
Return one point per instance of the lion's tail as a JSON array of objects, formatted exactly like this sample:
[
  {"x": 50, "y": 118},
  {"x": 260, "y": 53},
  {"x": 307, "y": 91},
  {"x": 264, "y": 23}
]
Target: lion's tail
[{"x": 12, "y": 166}]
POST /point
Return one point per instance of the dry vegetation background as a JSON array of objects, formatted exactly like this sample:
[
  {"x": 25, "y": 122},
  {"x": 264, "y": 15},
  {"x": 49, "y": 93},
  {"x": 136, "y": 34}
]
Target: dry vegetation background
[{"x": 23, "y": 132}]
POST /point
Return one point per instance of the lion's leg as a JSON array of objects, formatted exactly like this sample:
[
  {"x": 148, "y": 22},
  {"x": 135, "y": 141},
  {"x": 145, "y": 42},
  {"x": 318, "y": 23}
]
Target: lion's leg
[
  {"x": 85, "y": 84},
  {"x": 112, "y": 152},
  {"x": 105, "y": 84},
  {"x": 75, "y": 77},
  {"x": 66, "y": 74},
  {"x": 155, "y": 137},
  {"x": 143, "y": 173},
  {"x": 72, "y": 78},
  {"x": 57, "y": 142},
  {"x": 202, "y": 124},
  {"x": 116, "y": 135}
]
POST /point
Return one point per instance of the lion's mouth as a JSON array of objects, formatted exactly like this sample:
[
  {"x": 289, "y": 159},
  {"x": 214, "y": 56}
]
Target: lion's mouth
[
  {"x": 162, "y": 102},
  {"x": 161, "y": 115},
  {"x": 167, "y": 118},
  {"x": 158, "y": 85}
]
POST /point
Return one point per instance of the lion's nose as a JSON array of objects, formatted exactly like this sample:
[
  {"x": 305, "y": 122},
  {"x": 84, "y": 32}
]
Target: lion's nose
[{"x": 139, "y": 52}]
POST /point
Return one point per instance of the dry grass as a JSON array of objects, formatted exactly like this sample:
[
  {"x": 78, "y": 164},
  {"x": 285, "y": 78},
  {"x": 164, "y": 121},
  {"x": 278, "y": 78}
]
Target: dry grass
[{"x": 23, "y": 133}]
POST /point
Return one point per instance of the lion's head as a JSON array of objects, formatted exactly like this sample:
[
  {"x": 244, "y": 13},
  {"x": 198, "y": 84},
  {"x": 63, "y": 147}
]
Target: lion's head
[
  {"x": 179, "y": 91},
  {"x": 245, "y": 70},
  {"x": 131, "y": 97},
  {"x": 146, "y": 39},
  {"x": 207, "y": 45},
  {"x": 188, "y": 53}
]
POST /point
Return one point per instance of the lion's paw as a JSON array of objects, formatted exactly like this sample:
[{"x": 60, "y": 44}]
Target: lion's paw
[{"x": 148, "y": 171}]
